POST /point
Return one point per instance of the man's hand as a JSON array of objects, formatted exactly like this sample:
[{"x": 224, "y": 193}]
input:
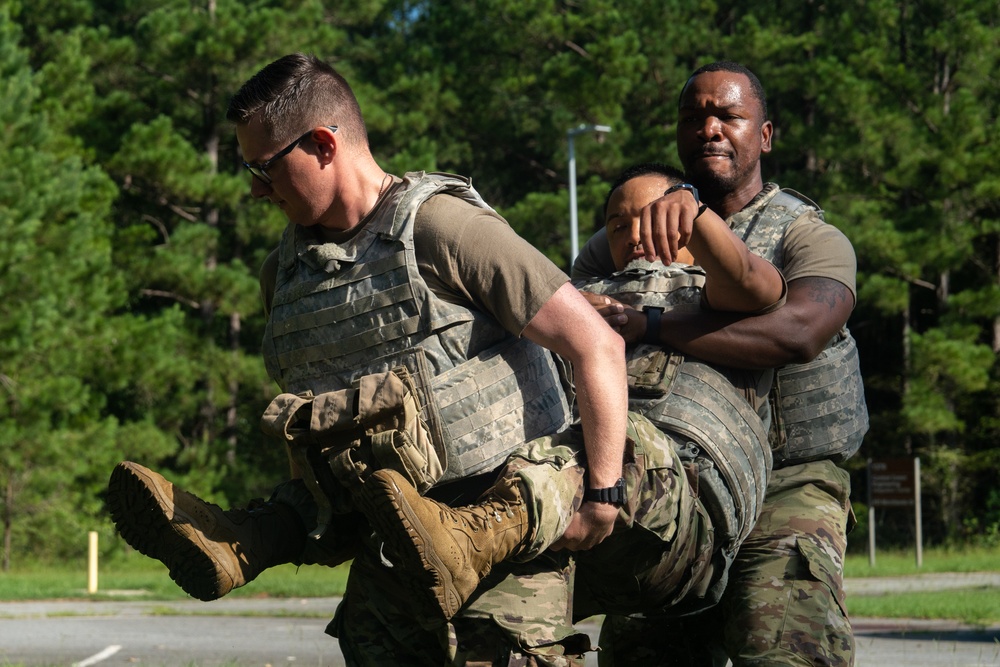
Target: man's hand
[
  {"x": 589, "y": 526},
  {"x": 665, "y": 225},
  {"x": 627, "y": 321}
]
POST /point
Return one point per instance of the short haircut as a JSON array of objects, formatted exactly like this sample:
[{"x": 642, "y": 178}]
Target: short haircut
[
  {"x": 296, "y": 93},
  {"x": 735, "y": 68},
  {"x": 644, "y": 169}
]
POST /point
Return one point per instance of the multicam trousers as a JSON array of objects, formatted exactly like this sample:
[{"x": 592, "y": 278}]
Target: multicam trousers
[
  {"x": 784, "y": 604},
  {"x": 661, "y": 553}
]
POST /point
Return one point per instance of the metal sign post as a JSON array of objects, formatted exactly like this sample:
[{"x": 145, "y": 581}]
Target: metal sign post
[
  {"x": 574, "y": 240},
  {"x": 894, "y": 483}
]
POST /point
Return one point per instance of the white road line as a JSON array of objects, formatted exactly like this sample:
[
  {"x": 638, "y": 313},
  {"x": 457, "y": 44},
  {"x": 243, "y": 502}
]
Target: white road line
[{"x": 97, "y": 657}]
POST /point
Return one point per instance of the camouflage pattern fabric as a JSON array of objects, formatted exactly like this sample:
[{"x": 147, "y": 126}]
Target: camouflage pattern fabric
[
  {"x": 821, "y": 411},
  {"x": 666, "y": 555},
  {"x": 659, "y": 555},
  {"x": 360, "y": 308},
  {"x": 784, "y": 604},
  {"x": 522, "y": 618},
  {"x": 664, "y": 550}
]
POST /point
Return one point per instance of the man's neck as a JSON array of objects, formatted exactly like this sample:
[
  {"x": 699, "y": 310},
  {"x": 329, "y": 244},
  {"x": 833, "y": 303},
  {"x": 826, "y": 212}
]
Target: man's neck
[{"x": 359, "y": 192}]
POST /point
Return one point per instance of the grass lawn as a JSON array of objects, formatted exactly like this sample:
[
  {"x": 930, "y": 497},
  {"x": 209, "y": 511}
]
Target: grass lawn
[
  {"x": 976, "y": 606},
  {"x": 139, "y": 578},
  {"x": 900, "y": 563}
]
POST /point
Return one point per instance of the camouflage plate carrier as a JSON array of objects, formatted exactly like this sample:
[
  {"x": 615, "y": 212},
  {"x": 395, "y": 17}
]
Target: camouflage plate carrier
[
  {"x": 692, "y": 399},
  {"x": 818, "y": 408},
  {"x": 343, "y": 312}
]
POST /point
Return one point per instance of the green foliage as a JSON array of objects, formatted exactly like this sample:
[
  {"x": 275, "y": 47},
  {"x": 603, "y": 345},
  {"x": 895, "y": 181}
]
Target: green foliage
[
  {"x": 56, "y": 285},
  {"x": 948, "y": 363},
  {"x": 129, "y": 249}
]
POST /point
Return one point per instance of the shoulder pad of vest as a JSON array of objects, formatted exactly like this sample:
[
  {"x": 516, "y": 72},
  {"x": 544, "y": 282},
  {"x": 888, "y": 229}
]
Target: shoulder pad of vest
[{"x": 794, "y": 200}]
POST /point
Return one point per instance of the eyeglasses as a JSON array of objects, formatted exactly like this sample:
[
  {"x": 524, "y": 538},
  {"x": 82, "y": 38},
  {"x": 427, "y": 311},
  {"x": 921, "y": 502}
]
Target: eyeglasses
[{"x": 260, "y": 170}]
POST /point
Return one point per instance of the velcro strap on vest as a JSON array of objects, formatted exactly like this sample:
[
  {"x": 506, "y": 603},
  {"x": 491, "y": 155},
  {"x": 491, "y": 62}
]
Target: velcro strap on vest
[{"x": 282, "y": 420}]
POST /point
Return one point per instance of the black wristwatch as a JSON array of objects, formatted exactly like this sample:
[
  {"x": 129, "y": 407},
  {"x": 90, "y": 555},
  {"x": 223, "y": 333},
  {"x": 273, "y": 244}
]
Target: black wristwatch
[
  {"x": 693, "y": 190},
  {"x": 614, "y": 495}
]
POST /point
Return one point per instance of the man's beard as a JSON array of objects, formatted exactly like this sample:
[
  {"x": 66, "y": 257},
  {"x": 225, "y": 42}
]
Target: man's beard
[{"x": 713, "y": 185}]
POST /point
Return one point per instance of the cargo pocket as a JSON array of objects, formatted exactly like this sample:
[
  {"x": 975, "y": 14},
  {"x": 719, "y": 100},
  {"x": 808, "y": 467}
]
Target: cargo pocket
[{"x": 824, "y": 570}]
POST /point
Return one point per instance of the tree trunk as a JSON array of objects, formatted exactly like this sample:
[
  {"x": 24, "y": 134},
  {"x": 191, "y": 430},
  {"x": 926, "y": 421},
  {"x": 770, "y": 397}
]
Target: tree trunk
[
  {"x": 904, "y": 377},
  {"x": 235, "y": 324},
  {"x": 8, "y": 522},
  {"x": 996, "y": 320}
]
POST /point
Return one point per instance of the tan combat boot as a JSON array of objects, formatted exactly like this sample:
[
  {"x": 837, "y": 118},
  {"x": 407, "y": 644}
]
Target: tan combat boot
[
  {"x": 445, "y": 552},
  {"x": 208, "y": 551}
]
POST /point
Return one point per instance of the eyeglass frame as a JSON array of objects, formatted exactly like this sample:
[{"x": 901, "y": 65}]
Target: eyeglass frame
[{"x": 259, "y": 171}]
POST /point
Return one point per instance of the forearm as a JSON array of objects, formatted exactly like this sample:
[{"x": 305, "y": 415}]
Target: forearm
[
  {"x": 571, "y": 328},
  {"x": 736, "y": 279},
  {"x": 602, "y": 398},
  {"x": 728, "y": 339},
  {"x": 815, "y": 309}
]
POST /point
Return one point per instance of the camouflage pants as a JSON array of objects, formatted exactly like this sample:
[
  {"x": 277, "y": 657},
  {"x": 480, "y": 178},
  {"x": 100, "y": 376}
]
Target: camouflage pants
[
  {"x": 784, "y": 604},
  {"x": 665, "y": 551},
  {"x": 521, "y": 619},
  {"x": 660, "y": 554},
  {"x": 521, "y": 616}
]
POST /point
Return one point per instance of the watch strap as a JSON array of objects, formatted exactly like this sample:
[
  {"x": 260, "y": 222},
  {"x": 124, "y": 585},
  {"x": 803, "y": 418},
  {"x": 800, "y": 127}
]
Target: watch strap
[
  {"x": 653, "y": 317},
  {"x": 614, "y": 495}
]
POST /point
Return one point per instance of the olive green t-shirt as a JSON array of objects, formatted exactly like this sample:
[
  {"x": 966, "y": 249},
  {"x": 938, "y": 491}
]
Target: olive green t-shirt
[
  {"x": 815, "y": 249},
  {"x": 467, "y": 255}
]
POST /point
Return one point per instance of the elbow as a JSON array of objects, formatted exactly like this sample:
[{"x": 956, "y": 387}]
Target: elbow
[
  {"x": 613, "y": 344},
  {"x": 609, "y": 346},
  {"x": 803, "y": 348}
]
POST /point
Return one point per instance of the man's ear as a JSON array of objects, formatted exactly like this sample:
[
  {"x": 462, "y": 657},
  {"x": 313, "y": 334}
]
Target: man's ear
[
  {"x": 765, "y": 136},
  {"x": 325, "y": 140}
]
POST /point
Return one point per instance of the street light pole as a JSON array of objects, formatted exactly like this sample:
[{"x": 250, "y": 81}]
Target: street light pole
[{"x": 573, "y": 233}]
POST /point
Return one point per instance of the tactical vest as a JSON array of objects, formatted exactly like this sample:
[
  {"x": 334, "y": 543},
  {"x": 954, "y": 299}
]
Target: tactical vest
[
  {"x": 346, "y": 310},
  {"x": 818, "y": 408},
  {"x": 688, "y": 397}
]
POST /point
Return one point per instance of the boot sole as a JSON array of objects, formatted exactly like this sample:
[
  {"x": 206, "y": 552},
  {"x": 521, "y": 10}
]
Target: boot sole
[
  {"x": 424, "y": 574},
  {"x": 155, "y": 527}
]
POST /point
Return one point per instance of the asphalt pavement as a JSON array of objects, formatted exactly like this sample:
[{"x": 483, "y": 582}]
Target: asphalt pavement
[{"x": 266, "y": 631}]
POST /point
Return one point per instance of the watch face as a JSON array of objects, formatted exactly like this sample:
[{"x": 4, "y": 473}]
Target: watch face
[
  {"x": 685, "y": 186},
  {"x": 618, "y": 492},
  {"x": 694, "y": 191}
]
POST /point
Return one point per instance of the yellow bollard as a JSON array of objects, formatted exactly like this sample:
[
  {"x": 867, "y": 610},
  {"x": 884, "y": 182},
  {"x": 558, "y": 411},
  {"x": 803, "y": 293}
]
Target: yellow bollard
[{"x": 92, "y": 564}]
